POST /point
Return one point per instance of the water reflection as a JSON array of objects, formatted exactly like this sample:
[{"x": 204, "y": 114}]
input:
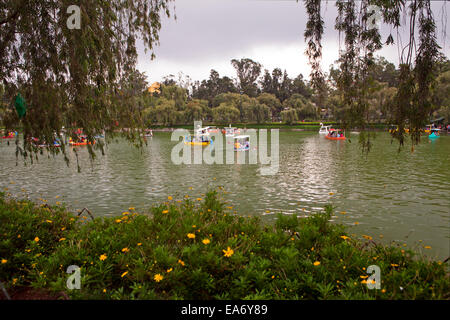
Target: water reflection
[{"x": 403, "y": 196}]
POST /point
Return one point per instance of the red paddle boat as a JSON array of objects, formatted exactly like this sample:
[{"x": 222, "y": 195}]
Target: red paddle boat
[{"x": 335, "y": 134}]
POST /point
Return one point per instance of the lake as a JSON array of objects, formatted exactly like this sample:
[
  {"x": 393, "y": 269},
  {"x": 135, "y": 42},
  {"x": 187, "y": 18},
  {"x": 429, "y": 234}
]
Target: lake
[{"x": 386, "y": 194}]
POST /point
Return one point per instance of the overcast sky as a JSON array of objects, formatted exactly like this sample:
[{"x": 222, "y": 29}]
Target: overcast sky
[{"x": 209, "y": 33}]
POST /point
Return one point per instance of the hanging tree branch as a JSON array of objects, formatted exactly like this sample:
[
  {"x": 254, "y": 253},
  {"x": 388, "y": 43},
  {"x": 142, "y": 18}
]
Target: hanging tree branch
[
  {"x": 412, "y": 105},
  {"x": 313, "y": 35}
]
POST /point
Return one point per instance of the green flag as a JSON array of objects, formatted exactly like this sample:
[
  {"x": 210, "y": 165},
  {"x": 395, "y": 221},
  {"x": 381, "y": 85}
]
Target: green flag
[{"x": 21, "y": 106}]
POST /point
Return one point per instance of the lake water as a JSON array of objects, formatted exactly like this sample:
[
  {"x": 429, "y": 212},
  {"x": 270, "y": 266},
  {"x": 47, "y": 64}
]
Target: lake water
[{"x": 391, "y": 196}]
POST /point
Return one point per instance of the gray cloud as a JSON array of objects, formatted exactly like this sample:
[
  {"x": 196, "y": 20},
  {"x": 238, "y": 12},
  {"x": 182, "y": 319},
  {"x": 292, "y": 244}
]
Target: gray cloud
[{"x": 209, "y": 33}]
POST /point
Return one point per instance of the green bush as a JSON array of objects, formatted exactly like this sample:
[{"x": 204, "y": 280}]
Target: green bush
[{"x": 199, "y": 249}]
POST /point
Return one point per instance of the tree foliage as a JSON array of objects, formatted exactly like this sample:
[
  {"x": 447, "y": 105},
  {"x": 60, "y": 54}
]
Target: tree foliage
[
  {"x": 75, "y": 78},
  {"x": 248, "y": 72},
  {"x": 412, "y": 104}
]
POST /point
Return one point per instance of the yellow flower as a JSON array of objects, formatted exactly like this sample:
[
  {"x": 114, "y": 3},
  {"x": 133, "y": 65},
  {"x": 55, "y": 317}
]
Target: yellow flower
[
  {"x": 169, "y": 197},
  {"x": 124, "y": 274},
  {"x": 62, "y": 239},
  {"x": 206, "y": 241},
  {"x": 367, "y": 237},
  {"x": 58, "y": 203},
  {"x": 181, "y": 262},
  {"x": 394, "y": 265},
  {"x": 230, "y": 207},
  {"x": 169, "y": 270},
  {"x": 19, "y": 236},
  {"x": 125, "y": 250},
  {"x": 104, "y": 290},
  {"x": 427, "y": 247},
  {"x": 63, "y": 228},
  {"x": 118, "y": 220},
  {"x": 165, "y": 211},
  {"x": 199, "y": 199},
  {"x": 139, "y": 244},
  {"x": 103, "y": 257},
  {"x": 191, "y": 235},
  {"x": 317, "y": 263},
  {"x": 4, "y": 261},
  {"x": 158, "y": 277},
  {"x": 343, "y": 212},
  {"x": 331, "y": 193},
  {"x": 356, "y": 222},
  {"x": 131, "y": 208},
  {"x": 383, "y": 290},
  {"x": 228, "y": 253},
  {"x": 125, "y": 213},
  {"x": 363, "y": 277},
  {"x": 345, "y": 237},
  {"x": 14, "y": 281},
  {"x": 194, "y": 226},
  {"x": 273, "y": 277},
  {"x": 36, "y": 239},
  {"x": 49, "y": 221}
]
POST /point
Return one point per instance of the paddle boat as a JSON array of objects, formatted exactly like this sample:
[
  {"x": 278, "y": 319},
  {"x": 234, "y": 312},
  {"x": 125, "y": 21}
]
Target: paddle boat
[
  {"x": 213, "y": 129},
  {"x": 324, "y": 129},
  {"x": 198, "y": 140},
  {"x": 230, "y": 131},
  {"x": 81, "y": 141},
  {"x": 435, "y": 133},
  {"x": 241, "y": 143},
  {"x": 202, "y": 131},
  {"x": 335, "y": 134},
  {"x": 10, "y": 135},
  {"x": 42, "y": 144},
  {"x": 428, "y": 128},
  {"x": 394, "y": 128},
  {"x": 148, "y": 133},
  {"x": 100, "y": 135}
]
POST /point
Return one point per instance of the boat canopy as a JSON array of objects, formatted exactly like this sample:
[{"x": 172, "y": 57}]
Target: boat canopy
[{"x": 203, "y": 130}]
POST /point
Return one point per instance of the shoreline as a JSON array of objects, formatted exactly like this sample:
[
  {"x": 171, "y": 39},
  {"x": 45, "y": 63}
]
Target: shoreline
[{"x": 198, "y": 249}]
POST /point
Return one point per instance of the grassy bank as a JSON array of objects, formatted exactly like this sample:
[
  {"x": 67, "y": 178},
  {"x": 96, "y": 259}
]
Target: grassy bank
[{"x": 199, "y": 249}]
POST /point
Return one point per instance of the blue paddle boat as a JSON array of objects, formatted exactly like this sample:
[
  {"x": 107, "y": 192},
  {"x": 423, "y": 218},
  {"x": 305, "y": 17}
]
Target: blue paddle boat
[{"x": 434, "y": 134}]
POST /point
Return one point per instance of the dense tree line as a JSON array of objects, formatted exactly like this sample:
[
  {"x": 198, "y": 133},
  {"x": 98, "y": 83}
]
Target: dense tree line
[
  {"x": 86, "y": 77},
  {"x": 257, "y": 96}
]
